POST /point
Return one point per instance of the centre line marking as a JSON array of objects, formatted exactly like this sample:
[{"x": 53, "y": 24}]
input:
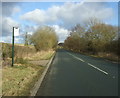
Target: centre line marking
[
  {"x": 98, "y": 68},
  {"x": 77, "y": 57},
  {"x": 89, "y": 64}
]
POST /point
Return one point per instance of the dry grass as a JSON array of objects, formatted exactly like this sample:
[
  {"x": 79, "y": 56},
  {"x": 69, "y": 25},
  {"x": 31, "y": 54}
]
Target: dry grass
[
  {"x": 20, "y": 52},
  {"x": 42, "y": 55},
  {"x": 109, "y": 56},
  {"x": 24, "y": 51},
  {"x": 18, "y": 80}
]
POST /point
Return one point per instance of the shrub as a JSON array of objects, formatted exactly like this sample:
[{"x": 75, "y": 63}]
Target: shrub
[
  {"x": 44, "y": 38},
  {"x": 6, "y": 50}
]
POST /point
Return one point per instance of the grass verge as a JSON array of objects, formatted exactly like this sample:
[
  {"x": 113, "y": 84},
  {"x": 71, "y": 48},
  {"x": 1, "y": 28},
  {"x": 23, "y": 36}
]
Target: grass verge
[
  {"x": 43, "y": 55},
  {"x": 18, "y": 80}
]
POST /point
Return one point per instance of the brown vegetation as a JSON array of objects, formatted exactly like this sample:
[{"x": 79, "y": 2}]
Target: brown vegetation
[
  {"x": 93, "y": 38},
  {"x": 29, "y": 65},
  {"x": 44, "y": 38},
  {"x": 20, "y": 53}
]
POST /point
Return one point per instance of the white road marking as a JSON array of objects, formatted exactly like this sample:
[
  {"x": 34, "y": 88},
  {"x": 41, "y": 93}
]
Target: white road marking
[
  {"x": 98, "y": 68},
  {"x": 77, "y": 57},
  {"x": 90, "y": 64}
]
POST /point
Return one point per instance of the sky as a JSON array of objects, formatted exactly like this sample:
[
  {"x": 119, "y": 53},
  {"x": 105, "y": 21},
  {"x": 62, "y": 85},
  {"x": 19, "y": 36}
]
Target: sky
[{"x": 62, "y": 16}]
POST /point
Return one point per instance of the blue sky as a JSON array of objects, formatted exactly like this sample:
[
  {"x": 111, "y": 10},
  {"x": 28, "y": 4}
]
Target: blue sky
[
  {"x": 59, "y": 15},
  {"x": 114, "y": 20}
]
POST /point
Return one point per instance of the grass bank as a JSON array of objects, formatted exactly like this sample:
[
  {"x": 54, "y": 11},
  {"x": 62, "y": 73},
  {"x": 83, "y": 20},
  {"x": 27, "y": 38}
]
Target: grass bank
[{"x": 19, "y": 79}]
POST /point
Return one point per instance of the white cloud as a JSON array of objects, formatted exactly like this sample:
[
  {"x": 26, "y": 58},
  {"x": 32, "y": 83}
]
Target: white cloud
[
  {"x": 69, "y": 13},
  {"x": 61, "y": 32},
  {"x": 37, "y": 16},
  {"x": 7, "y": 25},
  {"x": 42, "y": 17},
  {"x": 8, "y": 9}
]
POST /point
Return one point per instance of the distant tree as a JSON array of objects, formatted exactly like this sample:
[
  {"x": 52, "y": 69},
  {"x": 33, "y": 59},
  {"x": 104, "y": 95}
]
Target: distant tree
[
  {"x": 44, "y": 38},
  {"x": 78, "y": 30}
]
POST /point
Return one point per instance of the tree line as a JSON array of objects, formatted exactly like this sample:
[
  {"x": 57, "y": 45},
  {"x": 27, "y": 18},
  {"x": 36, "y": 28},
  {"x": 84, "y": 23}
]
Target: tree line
[{"x": 93, "y": 36}]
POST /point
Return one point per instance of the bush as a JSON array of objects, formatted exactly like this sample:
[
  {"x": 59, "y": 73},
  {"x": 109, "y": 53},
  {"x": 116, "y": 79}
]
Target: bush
[
  {"x": 44, "y": 38},
  {"x": 19, "y": 51},
  {"x": 6, "y": 50}
]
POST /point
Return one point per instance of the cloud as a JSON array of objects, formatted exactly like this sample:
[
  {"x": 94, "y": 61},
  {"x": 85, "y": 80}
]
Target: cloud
[
  {"x": 9, "y": 9},
  {"x": 39, "y": 16},
  {"x": 69, "y": 14},
  {"x": 7, "y": 26},
  {"x": 30, "y": 29},
  {"x": 72, "y": 14},
  {"x": 61, "y": 32}
]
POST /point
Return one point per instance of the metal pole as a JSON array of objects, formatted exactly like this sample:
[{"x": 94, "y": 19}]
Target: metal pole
[{"x": 13, "y": 48}]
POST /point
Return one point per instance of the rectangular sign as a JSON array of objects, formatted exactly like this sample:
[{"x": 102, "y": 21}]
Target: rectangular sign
[{"x": 16, "y": 31}]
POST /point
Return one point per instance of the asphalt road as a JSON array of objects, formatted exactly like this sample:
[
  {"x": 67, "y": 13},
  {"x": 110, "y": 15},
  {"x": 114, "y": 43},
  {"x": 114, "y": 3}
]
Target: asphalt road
[{"x": 74, "y": 74}]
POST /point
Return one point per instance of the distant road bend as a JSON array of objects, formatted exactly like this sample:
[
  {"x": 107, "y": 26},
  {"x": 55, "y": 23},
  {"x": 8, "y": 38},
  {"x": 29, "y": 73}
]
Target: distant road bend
[{"x": 74, "y": 74}]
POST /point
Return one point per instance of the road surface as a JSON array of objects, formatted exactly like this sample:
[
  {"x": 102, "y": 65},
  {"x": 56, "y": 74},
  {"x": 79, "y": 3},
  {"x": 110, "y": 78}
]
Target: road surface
[{"x": 74, "y": 74}]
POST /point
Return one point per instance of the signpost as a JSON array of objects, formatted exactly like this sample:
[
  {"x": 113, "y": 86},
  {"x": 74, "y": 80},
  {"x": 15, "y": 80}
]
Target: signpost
[{"x": 15, "y": 33}]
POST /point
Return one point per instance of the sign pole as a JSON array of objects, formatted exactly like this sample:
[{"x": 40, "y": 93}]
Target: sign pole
[{"x": 13, "y": 48}]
